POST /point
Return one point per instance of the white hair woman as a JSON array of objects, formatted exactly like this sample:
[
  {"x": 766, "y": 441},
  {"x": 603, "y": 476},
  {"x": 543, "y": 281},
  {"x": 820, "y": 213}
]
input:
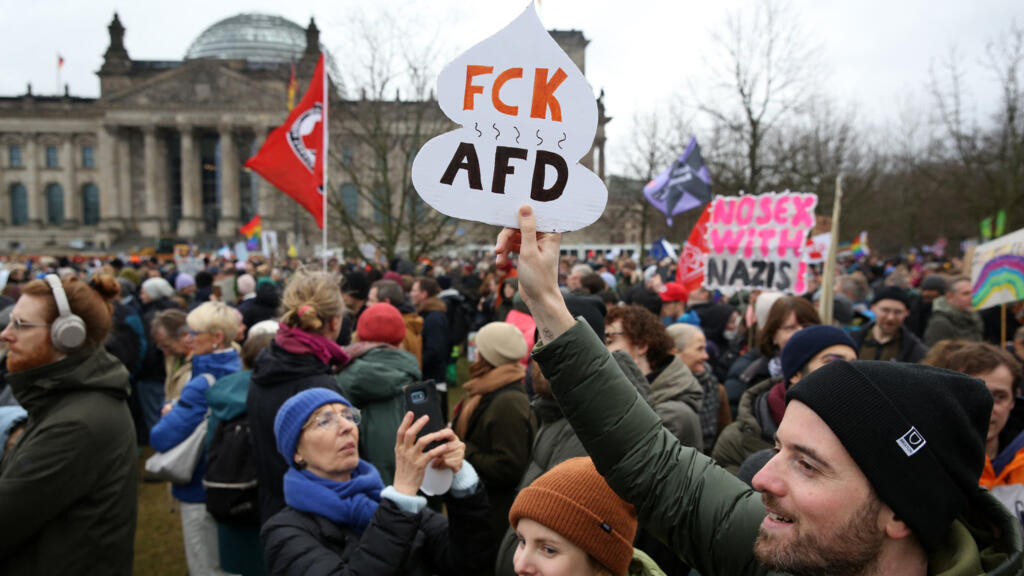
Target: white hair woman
[{"x": 211, "y": 328}]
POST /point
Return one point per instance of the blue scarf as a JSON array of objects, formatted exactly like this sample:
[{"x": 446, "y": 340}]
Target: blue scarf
[{"x": 351, "y": 503}]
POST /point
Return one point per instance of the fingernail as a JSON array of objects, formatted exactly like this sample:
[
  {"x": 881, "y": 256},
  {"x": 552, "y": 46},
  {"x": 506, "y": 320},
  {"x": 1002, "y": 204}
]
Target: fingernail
[{"x": 525, "y": 210}]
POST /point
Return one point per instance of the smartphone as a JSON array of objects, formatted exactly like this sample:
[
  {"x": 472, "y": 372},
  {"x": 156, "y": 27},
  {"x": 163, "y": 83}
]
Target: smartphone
[{"x": 422, "y": 399}]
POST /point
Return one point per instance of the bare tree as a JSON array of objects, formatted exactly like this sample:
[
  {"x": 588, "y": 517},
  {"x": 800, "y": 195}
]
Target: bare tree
[
  {"x": 380, "y": 133},
  {"x": 655, "y": 141},
  {"x": 763, "y": 71}
]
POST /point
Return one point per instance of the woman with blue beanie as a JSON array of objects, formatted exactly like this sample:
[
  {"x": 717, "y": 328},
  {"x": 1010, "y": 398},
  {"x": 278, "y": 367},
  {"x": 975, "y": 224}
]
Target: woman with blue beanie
[{"x": 339, "y": 517}]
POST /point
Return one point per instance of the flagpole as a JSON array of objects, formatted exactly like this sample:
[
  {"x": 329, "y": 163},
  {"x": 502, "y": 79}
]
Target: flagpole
[
  {"x": 825, "y": 302},
  {"x": 325, "y": 157}
]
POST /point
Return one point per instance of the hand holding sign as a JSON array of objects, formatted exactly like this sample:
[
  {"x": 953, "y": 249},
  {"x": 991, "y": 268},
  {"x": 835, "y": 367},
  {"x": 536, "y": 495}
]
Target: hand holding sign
[{"x": 527, "y": 116}]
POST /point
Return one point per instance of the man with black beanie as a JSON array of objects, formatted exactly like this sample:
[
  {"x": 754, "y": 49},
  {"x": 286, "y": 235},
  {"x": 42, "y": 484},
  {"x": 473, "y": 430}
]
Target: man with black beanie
[
  {"x": 887, "y": 338},
  {"x": 876, "y": 470}
]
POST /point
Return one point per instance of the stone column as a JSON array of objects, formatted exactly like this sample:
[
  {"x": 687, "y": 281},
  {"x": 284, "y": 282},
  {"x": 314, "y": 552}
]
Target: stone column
[
  {"x": 150, "y": 225},
  {"x": 110, "y": 201},
  {"x": 191, "y": 185},
  {"x": 33, "y": 186},
  {"x": 230, "y": 202},
  {"x": 72, "y": 195},
  {"x": 124, "y": 180},
  {"x": 264, "y": 190}
]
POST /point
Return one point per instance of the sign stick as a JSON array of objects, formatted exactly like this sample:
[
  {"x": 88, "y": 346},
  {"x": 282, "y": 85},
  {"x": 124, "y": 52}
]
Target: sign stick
[
  {"x": 324, "y": 159},
  {"x": 825, "y": 302}
]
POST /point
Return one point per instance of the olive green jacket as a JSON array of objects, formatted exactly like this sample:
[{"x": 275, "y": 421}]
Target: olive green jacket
[
  {"x": 373, "y": 383},
  {"x": 707, "y": 515},
  {"x": 68, "y": 487}
]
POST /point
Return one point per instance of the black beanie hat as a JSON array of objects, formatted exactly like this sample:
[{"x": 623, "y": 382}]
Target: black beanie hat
[
  {"x": 892, "y": 293},
  {"x": 917, "y": 432},
  {"x": 806, "y": 343}
]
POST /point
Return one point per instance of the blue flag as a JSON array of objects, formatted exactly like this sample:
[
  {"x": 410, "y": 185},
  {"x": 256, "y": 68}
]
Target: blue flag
[{"x": 683, "y": 186}]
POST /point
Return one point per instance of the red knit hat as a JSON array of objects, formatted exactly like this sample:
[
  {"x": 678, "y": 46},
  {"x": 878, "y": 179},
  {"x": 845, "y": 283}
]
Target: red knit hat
[
  {"x": 575, "y": 501},
  {"x": 381, "y": 322}
]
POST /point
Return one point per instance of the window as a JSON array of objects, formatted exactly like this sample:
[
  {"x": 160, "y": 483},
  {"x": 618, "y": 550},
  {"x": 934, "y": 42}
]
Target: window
[
  {"x": 51, "y": 156},
  {"x": 88, "y": 159},
  {"x": 19, "y": 205},
  {"x": 90, "y": 205},
  {"x": 350, "y": 199},
  {"x": 347, "y": 155},
  {"x": 54, "y": 204},
  {"x": 14, "y": 155}
]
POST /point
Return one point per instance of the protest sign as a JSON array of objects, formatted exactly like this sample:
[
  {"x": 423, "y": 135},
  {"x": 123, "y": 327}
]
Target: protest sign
[
  {"x": 817, "y": 248},
  {"x": 526, "y": 115},
  {"x": 758, "y": 242},
  {"x": 997, "y": 271},
  {"x": 269, "y": 242},
  {"x": 241, "y": 252}
]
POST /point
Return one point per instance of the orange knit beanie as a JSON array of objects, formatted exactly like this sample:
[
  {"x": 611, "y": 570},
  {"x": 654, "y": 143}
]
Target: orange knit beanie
[{"x": 574, "y": 500}]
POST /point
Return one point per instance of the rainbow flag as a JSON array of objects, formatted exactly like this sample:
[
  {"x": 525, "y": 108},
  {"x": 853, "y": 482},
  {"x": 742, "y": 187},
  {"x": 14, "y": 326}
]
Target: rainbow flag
[
  {"x": 252, "y": 232},
  {"x": 860, "y": 246}
]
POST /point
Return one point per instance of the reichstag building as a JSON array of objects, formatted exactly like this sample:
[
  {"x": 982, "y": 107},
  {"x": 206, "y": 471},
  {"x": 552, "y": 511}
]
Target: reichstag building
[{"x": 160, "y": 153}]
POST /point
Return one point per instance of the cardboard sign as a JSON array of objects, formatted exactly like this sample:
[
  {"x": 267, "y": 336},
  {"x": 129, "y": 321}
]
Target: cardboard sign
[
  {"x": 527, "y": 116},
  {"x": 758, "y": 242},
  {"x": 997, "y": 271}
]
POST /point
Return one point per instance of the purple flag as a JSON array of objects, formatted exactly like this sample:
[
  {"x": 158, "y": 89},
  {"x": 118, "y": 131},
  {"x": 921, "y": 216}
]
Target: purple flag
[{"x": 684, "y": 185}]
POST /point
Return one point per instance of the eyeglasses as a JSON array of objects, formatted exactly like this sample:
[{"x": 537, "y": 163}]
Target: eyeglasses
[
  {"x": 20, "y": 324},
  {"x": 331, "y": 419},
  {"x": 609, "y": 337}
]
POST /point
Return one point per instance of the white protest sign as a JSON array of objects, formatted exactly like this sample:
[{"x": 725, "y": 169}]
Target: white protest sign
[
  {"x": 758, "y": 242},
  {"x": 241, "y": 252},
  {"x": 817, "y": 248},
  {"x": 527, "y": 116},
  {"x": 268, "y": 241}
]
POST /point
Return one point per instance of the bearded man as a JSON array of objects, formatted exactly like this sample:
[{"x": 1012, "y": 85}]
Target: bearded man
[
  {"x": 876, "y": 468},
  {"x": 68, "y": 484}
]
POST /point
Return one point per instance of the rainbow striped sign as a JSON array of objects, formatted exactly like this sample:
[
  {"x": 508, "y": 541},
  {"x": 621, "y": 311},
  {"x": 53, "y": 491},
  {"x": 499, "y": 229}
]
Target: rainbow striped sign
[{"x": 997, "y": 271}]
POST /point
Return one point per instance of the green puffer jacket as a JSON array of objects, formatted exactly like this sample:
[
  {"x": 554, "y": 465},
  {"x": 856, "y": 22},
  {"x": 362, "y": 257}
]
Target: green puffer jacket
[
  {"x": 373, "y": 383},
  {"x": 745, "y": 435},
  {"x": 708, "y": 516},
  {"x": 68, "y": 486}
]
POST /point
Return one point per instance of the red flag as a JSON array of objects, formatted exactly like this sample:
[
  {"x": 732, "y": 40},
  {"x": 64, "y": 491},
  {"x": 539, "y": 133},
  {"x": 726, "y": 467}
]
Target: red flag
[
  {"x": 292, "y": 157},
  {"x": 693, "y": 259}
]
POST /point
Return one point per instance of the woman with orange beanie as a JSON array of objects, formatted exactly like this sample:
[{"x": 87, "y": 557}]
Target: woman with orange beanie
[{"x": 570, "y": 522}]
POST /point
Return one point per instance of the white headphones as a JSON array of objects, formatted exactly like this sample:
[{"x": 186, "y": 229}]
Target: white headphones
[{"x": 68, "y": 331}]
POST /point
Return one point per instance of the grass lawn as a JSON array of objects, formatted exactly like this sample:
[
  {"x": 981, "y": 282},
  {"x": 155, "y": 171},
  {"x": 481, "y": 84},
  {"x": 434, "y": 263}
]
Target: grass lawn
[{"x": 159, "y": 548}]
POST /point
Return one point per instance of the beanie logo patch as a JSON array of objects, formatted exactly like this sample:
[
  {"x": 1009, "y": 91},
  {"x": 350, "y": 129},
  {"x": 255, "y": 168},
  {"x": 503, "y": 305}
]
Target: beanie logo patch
[
  {"x": 606, "y": 527},
  {"x": 911, "y": 442}
]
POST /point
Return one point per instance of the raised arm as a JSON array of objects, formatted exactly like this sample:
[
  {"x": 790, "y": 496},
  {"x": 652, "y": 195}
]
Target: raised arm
[{"x": 709, "y": 517}]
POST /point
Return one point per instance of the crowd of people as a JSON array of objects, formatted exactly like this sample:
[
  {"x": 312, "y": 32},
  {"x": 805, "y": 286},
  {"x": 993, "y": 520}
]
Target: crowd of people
[{"x": 604, "y": 419}]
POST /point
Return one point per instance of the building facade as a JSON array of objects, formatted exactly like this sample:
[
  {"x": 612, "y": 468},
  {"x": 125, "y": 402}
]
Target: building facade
[{"x": 160, "y": 153}]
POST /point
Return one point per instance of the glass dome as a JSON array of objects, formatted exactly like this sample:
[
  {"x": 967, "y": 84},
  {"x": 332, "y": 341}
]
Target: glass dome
[{"x": 257, "y": 38}]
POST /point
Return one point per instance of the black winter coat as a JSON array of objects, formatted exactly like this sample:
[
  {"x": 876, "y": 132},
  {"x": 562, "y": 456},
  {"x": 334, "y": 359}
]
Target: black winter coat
[
  {"x": 153, "y": 361},
  {"x": 395, "y": 542},
  {"x": 277, "y": 376},
  {"x": 263, "y": 307}
]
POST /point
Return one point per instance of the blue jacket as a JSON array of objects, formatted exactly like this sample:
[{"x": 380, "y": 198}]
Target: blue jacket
[{"x": 189, "y": 412}]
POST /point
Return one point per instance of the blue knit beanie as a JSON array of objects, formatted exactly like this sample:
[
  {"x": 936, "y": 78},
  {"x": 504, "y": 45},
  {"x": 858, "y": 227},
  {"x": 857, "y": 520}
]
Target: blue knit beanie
[
  {"x": 806, "y": 343},
  {"x": 293, "y": 415}
]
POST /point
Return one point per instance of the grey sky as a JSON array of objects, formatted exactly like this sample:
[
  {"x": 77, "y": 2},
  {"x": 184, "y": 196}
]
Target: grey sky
[{"x": 643, "y": 53}]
